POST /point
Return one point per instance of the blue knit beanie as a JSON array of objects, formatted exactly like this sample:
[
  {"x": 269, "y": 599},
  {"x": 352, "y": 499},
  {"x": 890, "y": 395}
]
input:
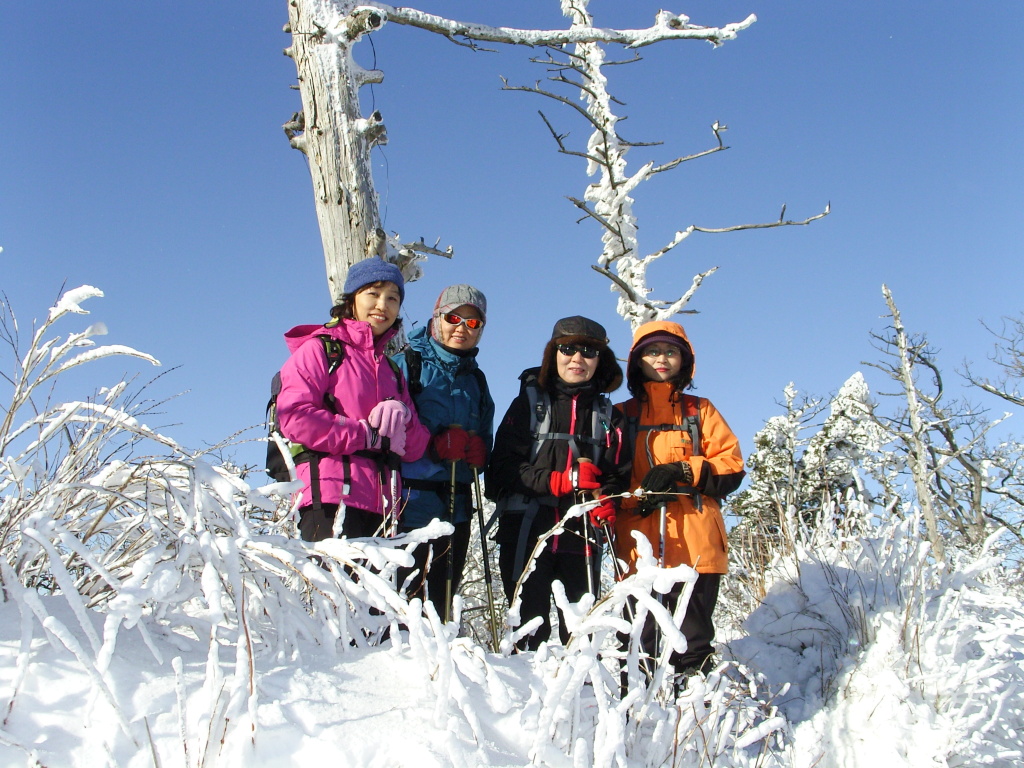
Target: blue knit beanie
[{"x": 374, "y": 270}]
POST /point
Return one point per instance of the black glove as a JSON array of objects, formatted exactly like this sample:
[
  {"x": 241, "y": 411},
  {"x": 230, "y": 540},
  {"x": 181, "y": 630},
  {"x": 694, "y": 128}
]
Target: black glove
[
  {"x": 664, "y": 477},
  {"x": 660, "y": 482}
]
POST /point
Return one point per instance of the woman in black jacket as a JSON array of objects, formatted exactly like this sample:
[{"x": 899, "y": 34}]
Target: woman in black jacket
[{"x": 559, "y": 443}]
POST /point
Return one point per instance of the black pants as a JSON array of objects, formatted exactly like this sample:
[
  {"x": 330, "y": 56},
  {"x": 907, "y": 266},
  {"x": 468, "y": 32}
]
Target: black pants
[
  {"x": 318, "y": 524},
  {"x": 698, "y": 627},
  {"x": 568, "y": 567},
  {"x": 432, "y": 580}
]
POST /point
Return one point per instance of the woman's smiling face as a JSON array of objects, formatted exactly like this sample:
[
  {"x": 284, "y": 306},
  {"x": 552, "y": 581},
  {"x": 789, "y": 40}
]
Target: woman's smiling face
[
  {"x": 459, "y": 336},
  {"x": 378, "y": 305},
  {"x": 573, "y": 364}
]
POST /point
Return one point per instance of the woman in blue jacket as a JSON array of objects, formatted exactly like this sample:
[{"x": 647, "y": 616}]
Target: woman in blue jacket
[{"x": 453, "y": 402}]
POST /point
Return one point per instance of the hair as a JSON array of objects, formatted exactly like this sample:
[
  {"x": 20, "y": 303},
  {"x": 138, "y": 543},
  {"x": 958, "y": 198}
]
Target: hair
[
  {"x": 607, "y": 377},
  {"x": 345, "y": 309},
  {"x": 635, "y": 376}
]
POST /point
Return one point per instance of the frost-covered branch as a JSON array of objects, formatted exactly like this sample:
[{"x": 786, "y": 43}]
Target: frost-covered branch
[
  {"x": 667, "y": 26},
  {"x": 608, "y": 200},
  {"x": 916, "y": 436},
  {"x": 45, "y": 359}
]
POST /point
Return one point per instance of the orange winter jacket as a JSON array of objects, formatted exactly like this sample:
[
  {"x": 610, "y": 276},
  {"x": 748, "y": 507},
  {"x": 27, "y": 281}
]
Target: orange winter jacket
[{"x": 695, "y": 528}]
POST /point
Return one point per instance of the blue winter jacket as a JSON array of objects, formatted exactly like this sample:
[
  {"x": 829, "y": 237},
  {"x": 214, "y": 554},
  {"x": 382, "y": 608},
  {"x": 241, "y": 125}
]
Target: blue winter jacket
[{"x": 450, "y": 395}]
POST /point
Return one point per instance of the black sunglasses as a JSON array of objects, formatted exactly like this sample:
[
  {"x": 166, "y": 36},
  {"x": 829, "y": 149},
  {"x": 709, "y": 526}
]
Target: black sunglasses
[{"x": 571, "y": 349}]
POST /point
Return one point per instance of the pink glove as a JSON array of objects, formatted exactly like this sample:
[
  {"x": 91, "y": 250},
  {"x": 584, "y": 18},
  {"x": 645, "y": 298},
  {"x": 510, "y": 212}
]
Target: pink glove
[
  {"x": 450, "y": 444},
  {"x": 604, "y": 513},
  {"x": 397, "y": 443},
  {"x": 587, "y": 472},
  {"x": 389, "y": 417},
  {"x": 476, "y": 452},
  {"x": 374, "y": 441}
]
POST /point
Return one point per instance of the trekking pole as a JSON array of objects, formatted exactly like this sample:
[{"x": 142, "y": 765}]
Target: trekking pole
[
  {"x": 449, "y": 578},
  {"x": 662, "y": 534},
  {"x": 587, "y": 551},
  {"x": 487, "y": 561},
  {"x": 389, "y": 523},
  {"x": 450, "y": 564}
]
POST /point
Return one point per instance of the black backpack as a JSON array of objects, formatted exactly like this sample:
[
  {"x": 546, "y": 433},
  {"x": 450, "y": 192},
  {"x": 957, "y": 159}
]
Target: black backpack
[{"x": 277, "y": 466}]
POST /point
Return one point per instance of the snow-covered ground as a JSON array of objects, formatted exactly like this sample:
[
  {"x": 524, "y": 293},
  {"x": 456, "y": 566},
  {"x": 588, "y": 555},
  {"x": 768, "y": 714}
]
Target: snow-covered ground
[
  {"x": 161, "y": 612},
  {"x": 822, "y": 674}
]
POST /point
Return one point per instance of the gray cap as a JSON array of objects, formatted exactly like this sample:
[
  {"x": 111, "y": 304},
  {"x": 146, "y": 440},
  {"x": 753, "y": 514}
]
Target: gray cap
[{"x": 455, "y": 296}]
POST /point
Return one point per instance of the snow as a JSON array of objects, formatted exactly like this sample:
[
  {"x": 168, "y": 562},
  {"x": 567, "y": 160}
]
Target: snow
[
  {"x": 169, "y": 695},
  {"x": 159, "y": 610}
]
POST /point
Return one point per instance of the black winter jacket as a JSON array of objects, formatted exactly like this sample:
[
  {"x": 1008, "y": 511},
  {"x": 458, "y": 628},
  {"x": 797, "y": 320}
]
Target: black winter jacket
[{"x": 511, "y": 470}]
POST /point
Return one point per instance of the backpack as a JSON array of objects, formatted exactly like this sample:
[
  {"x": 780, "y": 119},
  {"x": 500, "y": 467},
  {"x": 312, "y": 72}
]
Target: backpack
[
  {"x": 691, "y": 422},
  {"x": 277, "y": 466},
  {"x": 540, "y": 429}
]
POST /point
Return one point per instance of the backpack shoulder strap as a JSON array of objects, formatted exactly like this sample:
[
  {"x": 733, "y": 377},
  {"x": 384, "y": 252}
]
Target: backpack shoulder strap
[
  {"x": 481, "y": 381},
  {"x": 414, "y": 364},
  {"x": 334, "y": 350},
  {"x": 540, "y": 415},
  {"x": 398, "y": 374},
  {"x": 691, "y": 420},
  {"x": 601, "y": 425},
  {"x": 631, "y": 410}
]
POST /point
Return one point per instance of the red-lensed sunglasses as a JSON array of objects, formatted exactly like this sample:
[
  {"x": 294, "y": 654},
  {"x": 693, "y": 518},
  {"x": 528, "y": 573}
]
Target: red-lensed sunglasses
[{"x": 473, "y": 323}]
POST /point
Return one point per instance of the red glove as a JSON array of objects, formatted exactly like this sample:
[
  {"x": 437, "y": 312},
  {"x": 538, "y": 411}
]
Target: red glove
[
  {"x": 450, "y": 444},
  {"x": 587, "y": 472},
  {"x": 603, "y": 514},
  {"x": 476, "y": 452}
]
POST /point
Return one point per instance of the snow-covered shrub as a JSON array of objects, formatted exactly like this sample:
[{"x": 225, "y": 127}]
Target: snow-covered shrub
[
  {"x": 878, "y": 635},
  {"x": 599, "y": 701}
]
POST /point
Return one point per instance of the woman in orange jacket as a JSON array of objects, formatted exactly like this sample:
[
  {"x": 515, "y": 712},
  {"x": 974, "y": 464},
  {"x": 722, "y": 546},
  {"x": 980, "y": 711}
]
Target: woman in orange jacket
[{"x": 687, "y": 459}]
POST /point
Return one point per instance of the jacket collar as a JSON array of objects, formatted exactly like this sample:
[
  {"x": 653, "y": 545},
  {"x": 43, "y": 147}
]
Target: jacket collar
[{"x": 428, "y": 346}]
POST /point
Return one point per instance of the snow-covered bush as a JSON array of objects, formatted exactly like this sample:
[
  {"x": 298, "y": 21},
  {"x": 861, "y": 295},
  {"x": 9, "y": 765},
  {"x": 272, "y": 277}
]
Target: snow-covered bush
[{"x": 874, "y": 637}]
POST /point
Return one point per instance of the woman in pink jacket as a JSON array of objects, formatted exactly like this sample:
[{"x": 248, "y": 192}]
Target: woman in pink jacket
[{"x": 342, "y": 400}]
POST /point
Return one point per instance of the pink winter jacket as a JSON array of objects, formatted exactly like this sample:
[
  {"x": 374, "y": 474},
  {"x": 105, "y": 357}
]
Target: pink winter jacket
[{"x": 363, "y": 379}]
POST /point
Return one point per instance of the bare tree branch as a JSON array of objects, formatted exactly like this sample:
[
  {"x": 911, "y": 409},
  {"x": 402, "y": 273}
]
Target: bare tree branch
[
  {"x": 768, "y": 225},
  {"x": 420, "y": 246},
  {"x": 717, "y": 129}
]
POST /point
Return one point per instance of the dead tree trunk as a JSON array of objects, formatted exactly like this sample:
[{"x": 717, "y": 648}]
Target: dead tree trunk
[
  {"x": 337, "y": 140},
  {"x": 331, "y": 133},
  {"x": 917, "y": 442}
]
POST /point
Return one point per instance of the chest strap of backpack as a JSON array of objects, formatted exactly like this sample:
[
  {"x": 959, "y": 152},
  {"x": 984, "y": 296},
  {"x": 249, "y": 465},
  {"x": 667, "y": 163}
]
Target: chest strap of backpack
[
  {"x": 540, "y": 426},
  {"x": 690, "y": 423},
  {"x": 690, "y": 407}
]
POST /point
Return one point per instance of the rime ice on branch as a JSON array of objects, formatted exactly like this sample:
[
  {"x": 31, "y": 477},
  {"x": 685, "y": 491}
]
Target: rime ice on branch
[
  {"x": 337, "y": 139},
  {"x": 609, "y": 199}
]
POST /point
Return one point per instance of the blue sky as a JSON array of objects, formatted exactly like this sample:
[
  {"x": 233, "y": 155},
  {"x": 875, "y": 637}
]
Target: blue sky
[{"x": 142, "y": 152}]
